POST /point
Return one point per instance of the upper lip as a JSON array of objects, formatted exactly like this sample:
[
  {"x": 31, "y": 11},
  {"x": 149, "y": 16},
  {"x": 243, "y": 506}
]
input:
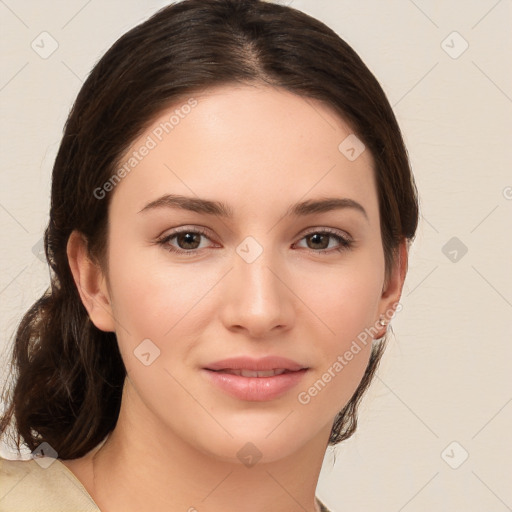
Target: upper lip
[{"x": 262, "y": 364}]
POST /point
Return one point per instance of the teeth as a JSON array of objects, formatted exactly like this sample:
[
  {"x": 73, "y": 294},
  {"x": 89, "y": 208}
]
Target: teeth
[{"x": 252, "y": 373}]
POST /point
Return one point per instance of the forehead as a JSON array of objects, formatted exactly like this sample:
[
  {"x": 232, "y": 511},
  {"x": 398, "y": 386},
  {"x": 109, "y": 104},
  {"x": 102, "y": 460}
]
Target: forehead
[{"x": 246, "y": 145}]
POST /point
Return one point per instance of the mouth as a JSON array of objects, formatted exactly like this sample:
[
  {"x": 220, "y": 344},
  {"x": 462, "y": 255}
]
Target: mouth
[{"x": 255, "y": 380}]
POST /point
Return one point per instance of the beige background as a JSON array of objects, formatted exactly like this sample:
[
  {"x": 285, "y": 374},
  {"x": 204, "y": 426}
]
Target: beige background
[{"x": 446, "y": 375}]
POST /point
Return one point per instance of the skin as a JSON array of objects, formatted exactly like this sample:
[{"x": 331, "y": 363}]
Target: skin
[{"x": 259, "y": 150}]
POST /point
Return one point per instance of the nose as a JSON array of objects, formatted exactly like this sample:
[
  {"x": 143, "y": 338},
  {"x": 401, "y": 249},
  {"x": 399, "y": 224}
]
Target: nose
[{"x": 257, "y": 296}]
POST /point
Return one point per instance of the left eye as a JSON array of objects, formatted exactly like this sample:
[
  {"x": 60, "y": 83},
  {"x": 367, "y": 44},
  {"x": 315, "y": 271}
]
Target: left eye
[{"x": 319, "y": 237}]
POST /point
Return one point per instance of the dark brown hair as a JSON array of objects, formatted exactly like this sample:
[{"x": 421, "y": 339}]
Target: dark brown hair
[{"x": 67, "y": 374}]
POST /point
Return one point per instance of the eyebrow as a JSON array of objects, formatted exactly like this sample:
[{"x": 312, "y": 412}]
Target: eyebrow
[{"x": 220, "y": 209}]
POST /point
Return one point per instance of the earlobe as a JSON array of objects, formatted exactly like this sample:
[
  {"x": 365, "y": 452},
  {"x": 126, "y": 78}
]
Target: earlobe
[{"x": 90, "y": 282}]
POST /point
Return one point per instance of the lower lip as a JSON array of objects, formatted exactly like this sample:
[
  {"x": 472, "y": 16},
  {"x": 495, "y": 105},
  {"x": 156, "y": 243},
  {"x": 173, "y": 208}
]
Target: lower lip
[{"x": 256, "y": 389}]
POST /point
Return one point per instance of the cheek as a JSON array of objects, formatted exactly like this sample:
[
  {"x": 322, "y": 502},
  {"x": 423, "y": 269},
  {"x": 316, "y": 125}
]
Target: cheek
[
  {"x": 344, "y": 349},
  {"x": 155, "y": 303},
  {"x": 152, "y": 298},
  {"x": 345, "y": 298},
  {"x": 345, "y": 303},
  {"x": 164, "y": 303}
]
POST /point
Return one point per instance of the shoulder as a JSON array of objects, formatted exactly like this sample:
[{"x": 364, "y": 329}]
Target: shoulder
[
  {"x": 43, "y": 486},
  {"x": 322, "y": 507}
]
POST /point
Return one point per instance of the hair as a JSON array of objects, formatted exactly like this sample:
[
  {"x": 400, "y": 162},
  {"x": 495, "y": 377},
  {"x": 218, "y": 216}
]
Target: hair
[{"x": 69, "y": 374}]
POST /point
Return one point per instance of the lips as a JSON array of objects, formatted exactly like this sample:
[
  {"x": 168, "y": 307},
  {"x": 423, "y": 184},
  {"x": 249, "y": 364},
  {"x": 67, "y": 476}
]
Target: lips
[{"x": 255, "y": 380}]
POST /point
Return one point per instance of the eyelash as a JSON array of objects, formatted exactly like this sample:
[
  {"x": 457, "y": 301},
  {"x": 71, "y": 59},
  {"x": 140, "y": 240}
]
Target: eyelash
[{"x": 345, "y": 243}]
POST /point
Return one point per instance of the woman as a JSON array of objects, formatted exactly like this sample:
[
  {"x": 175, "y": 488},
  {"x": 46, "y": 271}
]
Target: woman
[{"x": 232, "y": 207}]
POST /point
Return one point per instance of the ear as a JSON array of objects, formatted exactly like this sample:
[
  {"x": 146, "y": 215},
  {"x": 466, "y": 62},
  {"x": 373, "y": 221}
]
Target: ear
[
  {"x": 392, "y": 290},
  {"x": 90, "y": 282}
]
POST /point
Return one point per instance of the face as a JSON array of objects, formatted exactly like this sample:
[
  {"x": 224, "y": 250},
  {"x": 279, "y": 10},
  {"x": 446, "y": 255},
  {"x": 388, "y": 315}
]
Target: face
[{"x": 250, "y": 276}]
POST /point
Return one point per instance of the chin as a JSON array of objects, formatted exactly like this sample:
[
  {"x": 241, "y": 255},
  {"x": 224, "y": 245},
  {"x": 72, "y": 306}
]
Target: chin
[{"x": 254, "y": 442}]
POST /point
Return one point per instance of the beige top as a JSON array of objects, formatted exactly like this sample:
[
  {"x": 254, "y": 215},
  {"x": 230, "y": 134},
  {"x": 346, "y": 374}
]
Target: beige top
[
  {"x": 29, "y": 486},
  {"x": 25, "y": 486}
]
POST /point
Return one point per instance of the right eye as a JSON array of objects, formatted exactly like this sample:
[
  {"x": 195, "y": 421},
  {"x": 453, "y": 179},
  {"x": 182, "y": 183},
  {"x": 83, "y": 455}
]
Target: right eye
[{"x": 184, "y": 237}]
